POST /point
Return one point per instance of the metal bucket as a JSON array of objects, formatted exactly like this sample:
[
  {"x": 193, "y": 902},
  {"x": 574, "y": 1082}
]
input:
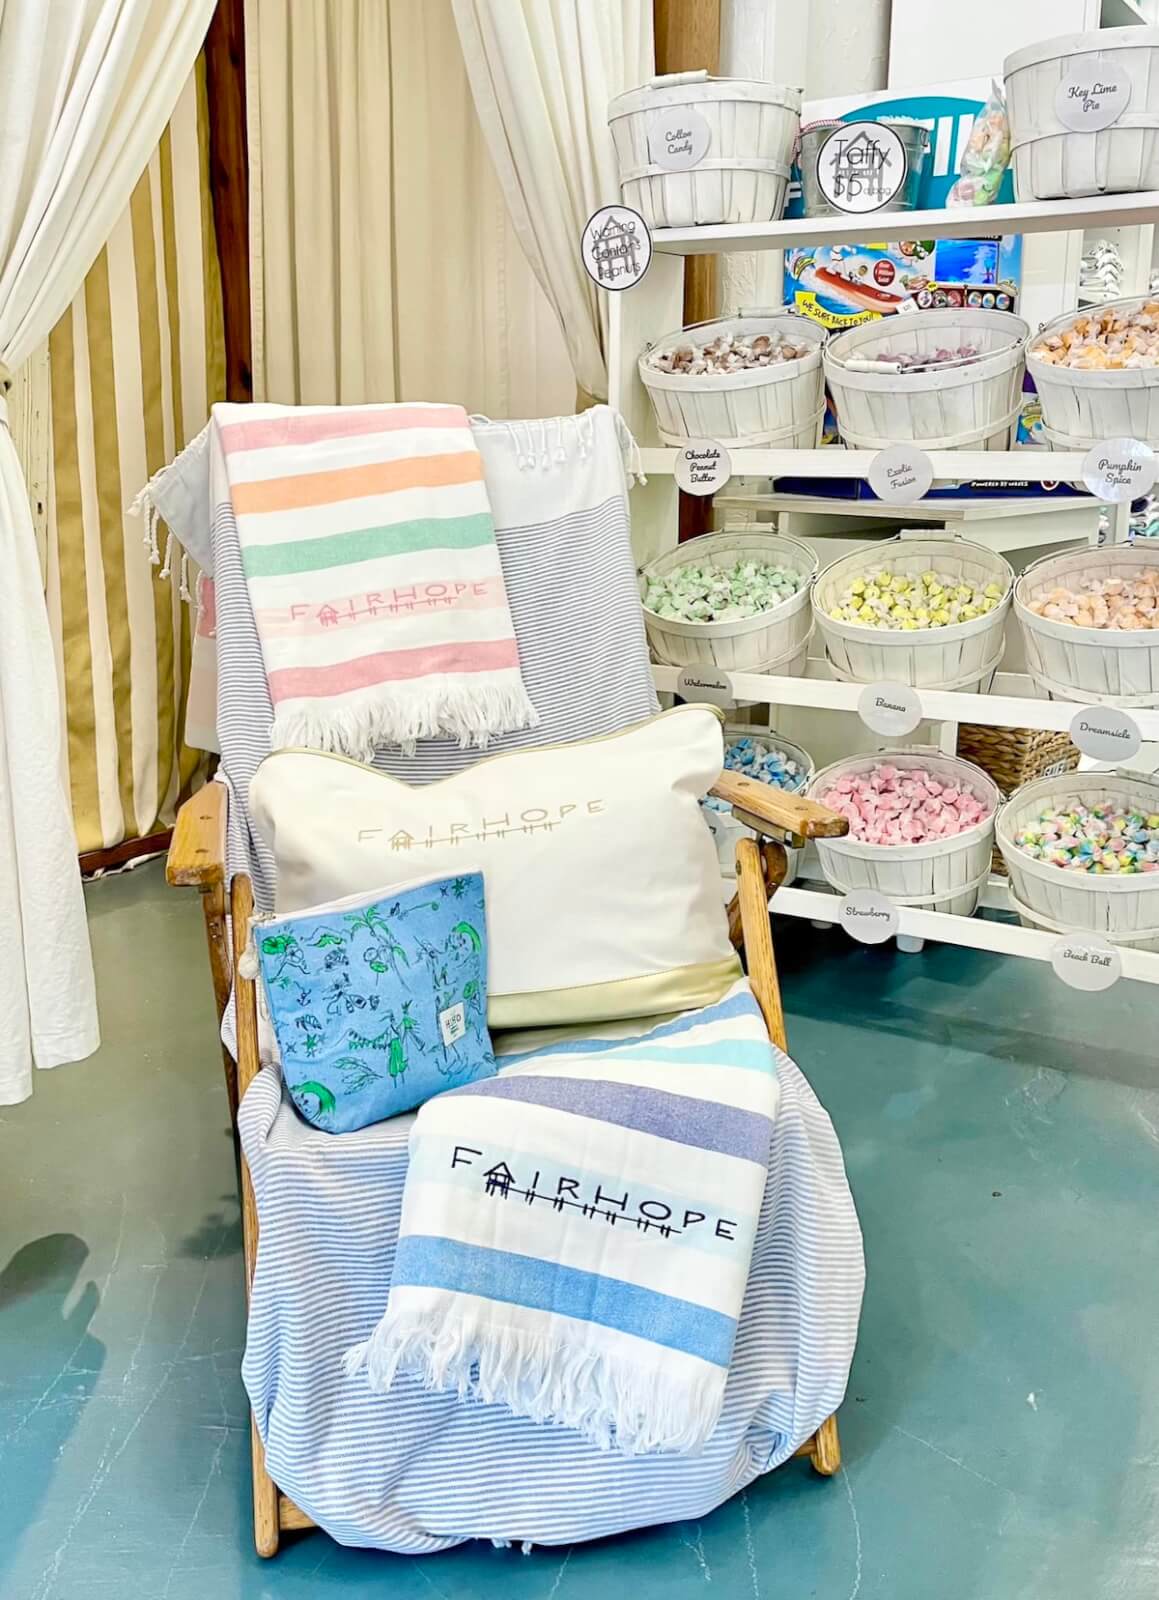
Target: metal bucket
[{"x": 863, "y": 165}]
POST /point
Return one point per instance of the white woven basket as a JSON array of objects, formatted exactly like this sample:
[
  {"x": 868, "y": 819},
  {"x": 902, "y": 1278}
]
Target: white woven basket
[
  {"x": 777, "y": 404},
  {"x": 973, "y": 406},
  {"x": 744, "y": 176},
  {"x": 962, "y": 655},
  {"x": 1052, "y": 162},
  {"x": 944, "y": 875},
  {"x": 726, "y": 830},
  {"x": 1085, "y": 664},
  {"x": 1084, "y": 408},
  {"x": 772, "y": 639},
  {"x": 1120, "y": 908}
]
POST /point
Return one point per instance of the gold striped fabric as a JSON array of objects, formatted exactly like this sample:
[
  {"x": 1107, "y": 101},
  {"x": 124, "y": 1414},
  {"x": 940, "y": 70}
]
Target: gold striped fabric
[{"x": 135, "y": 364}]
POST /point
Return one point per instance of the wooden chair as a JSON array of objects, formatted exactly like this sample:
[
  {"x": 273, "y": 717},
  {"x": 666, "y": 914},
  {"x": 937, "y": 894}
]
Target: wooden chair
[{"x": 197, "y": 860}]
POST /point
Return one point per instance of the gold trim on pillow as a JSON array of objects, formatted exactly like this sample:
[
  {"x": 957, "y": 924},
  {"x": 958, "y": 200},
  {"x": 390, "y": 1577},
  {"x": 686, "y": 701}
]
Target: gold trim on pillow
[{"x": 680, "y": 989}]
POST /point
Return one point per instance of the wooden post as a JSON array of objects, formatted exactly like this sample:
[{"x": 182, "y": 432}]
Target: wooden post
[
  {"x": 687, "y": 34},
  {"x": 229, "y": 187}
]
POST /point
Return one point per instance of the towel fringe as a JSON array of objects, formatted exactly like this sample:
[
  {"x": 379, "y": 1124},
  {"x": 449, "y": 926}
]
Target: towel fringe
[
  {"x": 144, "y": 503},
  {"x": 402, "y": 714},
  {"x": 614, "y": 1400}
]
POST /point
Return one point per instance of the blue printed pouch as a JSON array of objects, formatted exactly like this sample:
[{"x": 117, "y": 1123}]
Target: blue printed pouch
[{"x": 379, "y": 1001}]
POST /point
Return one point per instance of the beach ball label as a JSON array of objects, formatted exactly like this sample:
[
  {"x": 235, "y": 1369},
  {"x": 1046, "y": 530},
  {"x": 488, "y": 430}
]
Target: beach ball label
[
  {"x": 891, "y": 709},
  {"x": 1087, "y": 100},
  {"x": 1084, "y": 961},
  {"x": 678, "y": 138},
  {"x": 616, "y": 247},
  {"x": 1120, "y": 470},
  {"x": 702, "y": 466},
  {"x": 868, "y": 916},
  {"x": 1105, "y": 733},
  {"x": 708, "y": 685},
  {"x": 901, "y": 474}
]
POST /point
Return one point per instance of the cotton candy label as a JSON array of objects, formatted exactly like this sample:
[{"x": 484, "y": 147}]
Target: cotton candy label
[
  {"x": 1119, "y": 470},
  {"x": 901, "y": 474},
  {"x": 1084, "y": 961},
  {"x": 1105, "y": 733},
  {"x": 702, "y": 467},
  {"x": 678, "y": 138},
  {"x": 868, "y": 916},
  {"x": 1087, "y": 100}
]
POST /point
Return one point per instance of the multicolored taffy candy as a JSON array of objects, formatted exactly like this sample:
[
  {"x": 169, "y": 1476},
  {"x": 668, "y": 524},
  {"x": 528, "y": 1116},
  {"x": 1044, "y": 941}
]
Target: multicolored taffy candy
[
  {"x": 1099, "y": 838},
  {"x": 892, "y": 805},
  {"x": 704, "y": 592},
  {"x": 1124, "y": 603},
  {"x": 760, "y": 758},
  {"x": 884, "y": 599}
]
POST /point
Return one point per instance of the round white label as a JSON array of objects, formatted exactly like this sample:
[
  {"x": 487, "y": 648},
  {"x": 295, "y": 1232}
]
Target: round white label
[
  {"x": 678, "y": 139},
  {"x": 1119, "y": 470},
  {"x": 901, "y": 474},
  {"x": 861, "y": 166},
  {"x": 1084, "y": 961},
  {"x": 868, "y": 916},
  {"x": 1105, "y": 733},
  {"x": 702, "y": 466},
  {"x": 616, "y": 247},
  {"x": 707, "y": 684},
  {"x": 892, "y": 709},
  {"x": 1087, "y": 100}
]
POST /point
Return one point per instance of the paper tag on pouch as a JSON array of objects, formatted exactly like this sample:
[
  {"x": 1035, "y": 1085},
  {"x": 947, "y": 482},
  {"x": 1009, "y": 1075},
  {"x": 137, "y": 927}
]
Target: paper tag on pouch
[
  {"x": 891, "y": 709},
  {"x": 1120, "y": 470},
  {"x": 709, "y": 685},
  {"x": 616, "y": 247},
  {"x": 702, "y": 466},
  {"x": 1105, "y": 733},
  {"x": 1084, "y": 961},
  {"x": 678, "y": 138},
  {"x": 868, "y": 916},
  {"x": 1087, "y": 100},
  {"x": 453, "y": 1023},
  {"x": 901, "y": 474}
]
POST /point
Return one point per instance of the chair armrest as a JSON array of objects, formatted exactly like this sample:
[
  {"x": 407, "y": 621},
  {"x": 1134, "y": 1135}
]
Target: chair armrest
[
  {"x": 774, "y": 813},
  {"x": 197, "y": 850}
]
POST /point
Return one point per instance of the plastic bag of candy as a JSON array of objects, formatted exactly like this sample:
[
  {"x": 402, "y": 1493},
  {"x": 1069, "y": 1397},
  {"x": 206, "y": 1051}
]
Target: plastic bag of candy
[{"x": 986, "y": 156}]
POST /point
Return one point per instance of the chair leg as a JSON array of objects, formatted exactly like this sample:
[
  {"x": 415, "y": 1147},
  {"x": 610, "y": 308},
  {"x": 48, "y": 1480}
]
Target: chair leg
[
  {"x": 266, "y": 1522},
  {"x": 825, "y": 1454}
]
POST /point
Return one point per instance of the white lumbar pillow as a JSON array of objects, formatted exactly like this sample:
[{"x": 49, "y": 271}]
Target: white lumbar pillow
[{"x": 601, "y": 878}]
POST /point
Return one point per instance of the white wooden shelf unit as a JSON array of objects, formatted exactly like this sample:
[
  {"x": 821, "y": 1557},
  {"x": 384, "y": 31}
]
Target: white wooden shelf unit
[{"x": 653, "y": 308}]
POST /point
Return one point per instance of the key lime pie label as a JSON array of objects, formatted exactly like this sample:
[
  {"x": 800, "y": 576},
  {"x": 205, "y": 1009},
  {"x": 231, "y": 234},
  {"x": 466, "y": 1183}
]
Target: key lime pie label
[
  {"x": 678, "y": 139},
  {"x": 702, "y": 467},
  {"x": 616, "y": 247},
  {"x": 707, "y": 684},
  {"x": 868, "y": 916},
  {"x": 1120, "y": 470},
  {"x": 1105, "y": 733},
  {"x": 901, "y": 474},
  {"x": 1084, "y": 961},
  {"x": 891, "y": 709},
  {"x": 1086, "y": 101}
]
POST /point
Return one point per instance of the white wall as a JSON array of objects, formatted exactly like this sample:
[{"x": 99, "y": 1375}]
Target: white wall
[{"x": 934, "y": 43}]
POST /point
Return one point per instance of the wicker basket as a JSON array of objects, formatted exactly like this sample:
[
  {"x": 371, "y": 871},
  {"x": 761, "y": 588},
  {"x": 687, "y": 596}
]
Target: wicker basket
[
  {"x": 1081, "y": 408},
  {"x": 1013, "y": 756}
]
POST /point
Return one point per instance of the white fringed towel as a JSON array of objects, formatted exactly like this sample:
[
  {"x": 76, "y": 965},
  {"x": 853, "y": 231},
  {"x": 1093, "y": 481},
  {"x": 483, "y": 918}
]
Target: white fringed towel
[
  {"x": 576, "y": 1233},
  {"x": 369, "y": 552}
]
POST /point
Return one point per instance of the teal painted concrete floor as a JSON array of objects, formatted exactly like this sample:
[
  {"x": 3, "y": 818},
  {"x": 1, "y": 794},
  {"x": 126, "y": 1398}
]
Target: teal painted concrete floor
[{"x": 1001, "y": 1433}]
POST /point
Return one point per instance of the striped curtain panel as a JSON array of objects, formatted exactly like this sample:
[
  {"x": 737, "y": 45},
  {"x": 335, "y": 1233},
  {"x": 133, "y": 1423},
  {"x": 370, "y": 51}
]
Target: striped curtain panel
[{"x": 135, "y": 365}]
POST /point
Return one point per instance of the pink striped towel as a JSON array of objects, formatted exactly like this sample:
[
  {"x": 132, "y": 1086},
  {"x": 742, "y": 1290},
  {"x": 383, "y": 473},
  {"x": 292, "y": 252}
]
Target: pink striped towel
[{"x": 370, "y": 557}]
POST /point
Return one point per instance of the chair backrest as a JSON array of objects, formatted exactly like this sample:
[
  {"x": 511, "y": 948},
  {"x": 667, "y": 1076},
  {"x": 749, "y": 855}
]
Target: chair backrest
[{"x": 558, "y": 491}]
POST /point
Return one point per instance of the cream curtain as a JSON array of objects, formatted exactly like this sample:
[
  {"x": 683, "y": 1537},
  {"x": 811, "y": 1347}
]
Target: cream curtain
[
  {"x": 542, "y": 73},
  {"x": 383, "y": 262},
  {"x": 88, "y": 86}
]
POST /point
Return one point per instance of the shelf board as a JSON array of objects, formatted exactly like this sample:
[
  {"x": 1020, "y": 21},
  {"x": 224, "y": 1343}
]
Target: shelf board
[
  {"x": 975, "y": 933},
  {"x": 1025, "y": 216},
  {"x": 998, "y": 710},
  {"x": 951, "y": 508},
  {"x": 953, "y": 466}
]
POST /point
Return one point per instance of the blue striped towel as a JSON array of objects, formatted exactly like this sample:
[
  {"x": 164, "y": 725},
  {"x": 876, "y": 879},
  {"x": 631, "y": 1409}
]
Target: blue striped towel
[{"x": 576, "y": 1232}]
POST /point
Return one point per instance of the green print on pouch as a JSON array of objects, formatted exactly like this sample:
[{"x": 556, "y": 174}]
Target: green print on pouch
[{"x": 362, "y": 995}]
